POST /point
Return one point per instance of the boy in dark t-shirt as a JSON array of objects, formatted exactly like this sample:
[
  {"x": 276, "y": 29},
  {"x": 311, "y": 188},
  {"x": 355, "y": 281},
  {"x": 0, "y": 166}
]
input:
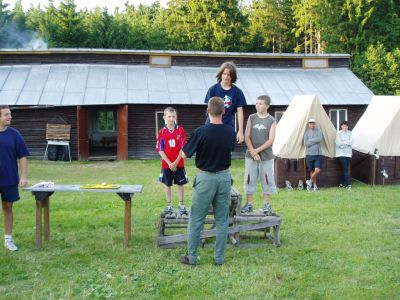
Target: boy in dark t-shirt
[{"x": 233, "y": 97}]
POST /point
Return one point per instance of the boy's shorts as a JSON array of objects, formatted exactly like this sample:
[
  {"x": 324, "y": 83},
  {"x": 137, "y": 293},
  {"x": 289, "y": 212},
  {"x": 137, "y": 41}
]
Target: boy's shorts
[
  {"x": 264, "y": 170},
  {"x": 178, "y": 177},
  {"x": 313, "y": 161},
  {"x": 9, "y": 193}
]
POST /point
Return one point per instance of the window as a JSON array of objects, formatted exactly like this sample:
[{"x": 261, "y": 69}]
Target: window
[
  {"x": 160, "y": 123},
  {"x": 106, "y": 121},
  {"x": 337, "y": 116},
  {"x": 278, "y": 116}
]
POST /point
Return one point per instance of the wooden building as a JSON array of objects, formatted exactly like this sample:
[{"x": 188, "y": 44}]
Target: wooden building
[{"x": 114, "y": 99}]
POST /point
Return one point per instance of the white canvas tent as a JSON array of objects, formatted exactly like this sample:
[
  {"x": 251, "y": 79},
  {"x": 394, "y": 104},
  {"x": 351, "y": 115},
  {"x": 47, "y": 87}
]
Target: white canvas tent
[
  {"x": 293, "y": 124},
  {"x": 379, "y": 127}
]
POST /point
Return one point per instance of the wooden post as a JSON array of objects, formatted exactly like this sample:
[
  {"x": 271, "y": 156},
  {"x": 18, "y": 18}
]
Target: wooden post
[
  {"x": 83, "y": 132},
  {"x": 46, "y": 204},
  {"x": 122, "y": 132},
  {"x": 127, "y": 223},
  {"x": 38, "y": 224}
]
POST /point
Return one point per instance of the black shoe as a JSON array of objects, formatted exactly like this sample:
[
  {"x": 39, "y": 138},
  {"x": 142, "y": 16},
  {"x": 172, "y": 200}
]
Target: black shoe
[{"x": 185, "y": 260}]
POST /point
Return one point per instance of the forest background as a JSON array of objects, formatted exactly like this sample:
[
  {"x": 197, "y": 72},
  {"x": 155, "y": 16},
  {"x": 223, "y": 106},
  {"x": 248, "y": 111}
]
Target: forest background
[{"x": 368, "y": 30}]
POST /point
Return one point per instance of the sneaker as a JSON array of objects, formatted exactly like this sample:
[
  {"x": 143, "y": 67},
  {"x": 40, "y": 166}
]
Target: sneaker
[
  {"x": 9, "y": 244},
  {"x": 168, "y": 210},
  {"x": 300, "y": 186},
  {"x": 348, "y": 187},
  {"x": 309, "y": 184},
  {"x": 341, "y": 186},
  {"x": 315, "y": 188},
  {"x": 267, "y": 209},
  {"x": 247, "y": 208},
  {"x": 182, "y": 209},
  {"x": 288, "y": 185}
]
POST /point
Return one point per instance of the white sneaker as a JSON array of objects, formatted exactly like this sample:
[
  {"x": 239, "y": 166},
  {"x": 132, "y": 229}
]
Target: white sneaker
[
  {"x": 9, "y": 244},
  {"x": 309, "y": 184}
]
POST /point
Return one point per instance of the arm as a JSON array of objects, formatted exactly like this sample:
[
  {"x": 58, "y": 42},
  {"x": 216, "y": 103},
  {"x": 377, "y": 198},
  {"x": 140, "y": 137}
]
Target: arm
[
  {"x": 270, "y": 140},
  {"x": 239, "y": 136},
  {"x": 23, "y": 164},
  {"x": 268, "y": 143},
  {"x": 182, "y": 143},
  {"x": 247, "y": 138}
]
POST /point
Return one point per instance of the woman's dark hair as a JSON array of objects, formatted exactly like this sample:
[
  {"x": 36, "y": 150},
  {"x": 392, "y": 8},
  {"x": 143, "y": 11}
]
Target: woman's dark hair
[{"x": 344, "y": 123}]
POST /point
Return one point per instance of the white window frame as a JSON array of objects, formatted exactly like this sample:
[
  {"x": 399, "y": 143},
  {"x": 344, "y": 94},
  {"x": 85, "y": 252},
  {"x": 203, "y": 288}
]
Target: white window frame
[{"x": 338, "y": 121}]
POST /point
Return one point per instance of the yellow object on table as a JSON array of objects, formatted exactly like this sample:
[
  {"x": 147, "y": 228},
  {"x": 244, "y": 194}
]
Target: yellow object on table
[{"x": 100, "y": 186}]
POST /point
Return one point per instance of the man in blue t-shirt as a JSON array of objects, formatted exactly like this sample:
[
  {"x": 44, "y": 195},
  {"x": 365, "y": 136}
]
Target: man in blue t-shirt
[
  {"x": 233, "y": 97},
  {"x": 213, "y": 144},
  {"x": 12, "y": 149}
]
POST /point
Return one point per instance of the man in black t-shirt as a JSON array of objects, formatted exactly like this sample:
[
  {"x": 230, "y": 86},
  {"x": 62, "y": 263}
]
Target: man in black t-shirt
[{"x": 213, "y": 144}]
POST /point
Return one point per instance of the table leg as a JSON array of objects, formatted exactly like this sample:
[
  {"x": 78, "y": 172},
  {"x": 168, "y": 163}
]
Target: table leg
[
  {"x": 127, "y": 223},
  {"x": 46, "y": 208},
  {"x": 38, "y": 224},
  {"x": 277, "y": 238}
]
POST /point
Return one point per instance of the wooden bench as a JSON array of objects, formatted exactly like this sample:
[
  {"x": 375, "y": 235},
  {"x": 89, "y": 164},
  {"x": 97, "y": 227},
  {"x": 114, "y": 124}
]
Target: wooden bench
[
  {"x": 42, "y": 197},
  {"x": 238, "y": 223}
]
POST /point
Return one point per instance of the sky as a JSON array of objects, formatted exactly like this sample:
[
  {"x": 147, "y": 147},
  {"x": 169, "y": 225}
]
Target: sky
[{"x": 81, "y": 4}]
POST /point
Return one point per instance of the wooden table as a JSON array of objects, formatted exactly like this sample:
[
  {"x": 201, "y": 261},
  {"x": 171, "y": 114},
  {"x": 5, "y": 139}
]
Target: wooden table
[{"x": 42, "y": 197}]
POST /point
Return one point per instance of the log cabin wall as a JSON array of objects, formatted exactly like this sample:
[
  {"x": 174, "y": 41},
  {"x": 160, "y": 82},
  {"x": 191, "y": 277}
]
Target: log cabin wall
[
  {"x": 141, "y": 125},
  {"x": 98, "y": 56},
  {"x": 31, "y": 122},
  {"x": 142, "y": 134},
  {"x": 295, "y": 170}
]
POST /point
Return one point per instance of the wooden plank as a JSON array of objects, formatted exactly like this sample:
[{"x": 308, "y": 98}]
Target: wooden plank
[
  {"x": 124, "y": 189},
  {"x": 58, "y": 132},
  {"x": 163, "y": 240}
]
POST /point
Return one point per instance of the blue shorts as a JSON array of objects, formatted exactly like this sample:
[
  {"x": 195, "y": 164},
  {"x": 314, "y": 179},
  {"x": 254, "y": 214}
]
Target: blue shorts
[
  {"x": 178, "y": 177},
  {"x": 9, "y": 193},
  {"x": 313, "y": 162}
]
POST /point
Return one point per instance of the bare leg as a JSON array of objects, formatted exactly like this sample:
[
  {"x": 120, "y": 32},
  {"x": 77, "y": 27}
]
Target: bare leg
[
  {"x": 266, "y": 198},
  {"x": 181, "y": 193},
  {"x": 249, "y": 199},
  {"x": 8, "y": 217},
  {"x": 315, "y": 174},
  {"x": 168, "y": 196}
]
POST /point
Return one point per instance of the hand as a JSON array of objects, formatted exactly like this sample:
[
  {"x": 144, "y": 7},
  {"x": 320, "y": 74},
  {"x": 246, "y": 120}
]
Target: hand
[
  {"x": 239, "y": 137},
  {"x": 257, "y": 157},
  {"x": 23, "y": 181},
  {"x": 172, "y": 167},
  {"x": 253, "y": 152}
]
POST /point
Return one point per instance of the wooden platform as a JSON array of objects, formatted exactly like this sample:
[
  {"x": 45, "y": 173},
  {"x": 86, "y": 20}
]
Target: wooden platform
[{"x": 172, "y": 232}]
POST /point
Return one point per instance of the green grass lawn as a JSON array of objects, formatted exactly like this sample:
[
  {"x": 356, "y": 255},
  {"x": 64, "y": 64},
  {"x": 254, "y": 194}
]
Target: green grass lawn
[{"x": 336, "y": 244}]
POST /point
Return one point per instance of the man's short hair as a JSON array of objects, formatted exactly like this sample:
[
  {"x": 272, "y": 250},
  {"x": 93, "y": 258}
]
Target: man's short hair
[
  {"x": 215, "y": 106},
  {"x": 265, "y": 98},
  {"x": 3, "y": 107},
  {"x": 169, "y": 109},
  {"x": 232, "y": 70}
]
